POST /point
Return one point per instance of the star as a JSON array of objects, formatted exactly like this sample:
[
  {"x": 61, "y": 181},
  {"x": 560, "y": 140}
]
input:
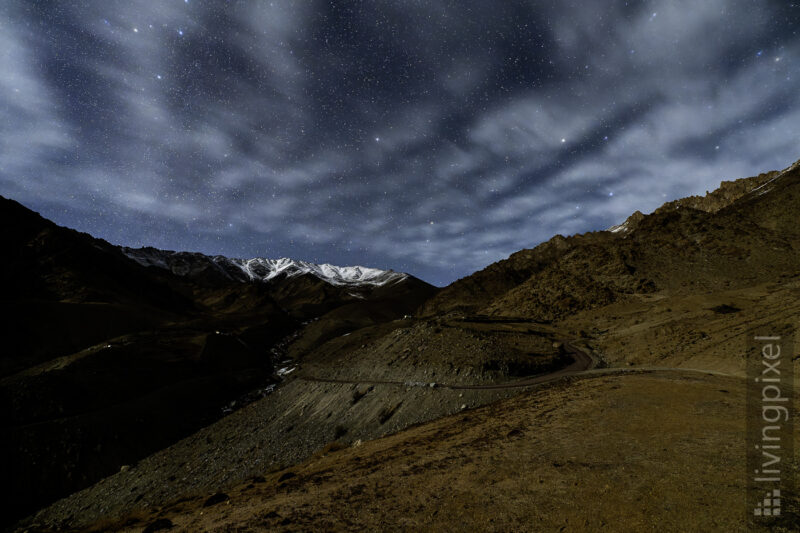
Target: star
[{"x": 286, "y": 111}]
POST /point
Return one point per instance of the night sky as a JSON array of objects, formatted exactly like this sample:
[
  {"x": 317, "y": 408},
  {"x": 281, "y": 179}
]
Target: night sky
[{"x": 433, "y": 137}]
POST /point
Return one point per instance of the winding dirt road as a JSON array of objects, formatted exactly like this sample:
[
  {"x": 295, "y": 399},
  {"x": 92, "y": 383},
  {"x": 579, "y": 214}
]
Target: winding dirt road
[{"x": 581, "y": 363}]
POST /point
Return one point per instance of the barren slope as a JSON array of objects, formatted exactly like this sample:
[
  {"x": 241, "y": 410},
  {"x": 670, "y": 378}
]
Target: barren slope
[{"x": 654, "y": 451}]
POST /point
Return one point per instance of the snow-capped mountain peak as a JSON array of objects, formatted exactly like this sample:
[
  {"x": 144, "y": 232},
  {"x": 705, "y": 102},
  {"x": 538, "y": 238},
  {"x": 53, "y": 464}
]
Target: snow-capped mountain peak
[{"x": 262, "y": 269}]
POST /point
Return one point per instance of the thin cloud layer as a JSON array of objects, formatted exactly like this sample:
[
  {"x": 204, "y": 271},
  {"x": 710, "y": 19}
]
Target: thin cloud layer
[{"x": 431, "y": 137}]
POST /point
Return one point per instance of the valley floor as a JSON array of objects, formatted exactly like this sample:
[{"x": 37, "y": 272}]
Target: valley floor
[
  {"x": 654, "y": 443},
  {"x": 639, "y": 451}
]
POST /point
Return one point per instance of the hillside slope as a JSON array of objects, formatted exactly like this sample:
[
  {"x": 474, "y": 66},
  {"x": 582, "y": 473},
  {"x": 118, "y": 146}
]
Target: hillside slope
[
  {"x": 106, "y": 360},
  {"x": 611, "y": 453},
  {"x": 742, "y": 233}
]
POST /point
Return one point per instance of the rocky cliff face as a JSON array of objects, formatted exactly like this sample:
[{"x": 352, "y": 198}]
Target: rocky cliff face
[{"x": 727, "y": 193}]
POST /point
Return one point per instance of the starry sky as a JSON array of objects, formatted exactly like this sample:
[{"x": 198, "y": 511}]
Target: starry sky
[{"x": 433, "y": 136}]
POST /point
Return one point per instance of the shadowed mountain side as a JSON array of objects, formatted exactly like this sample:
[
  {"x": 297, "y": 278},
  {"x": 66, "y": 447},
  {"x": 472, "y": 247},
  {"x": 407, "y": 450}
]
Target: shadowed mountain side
[
  {"x": 107, "y": 361},
  {"x": 384, "y": 305},
  {"x": 65, "y": 290}
]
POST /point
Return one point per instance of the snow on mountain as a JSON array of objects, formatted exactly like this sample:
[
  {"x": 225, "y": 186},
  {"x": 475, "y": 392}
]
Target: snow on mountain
[
  {"x": 763, "y": 188},
  {"x": 266, "y": 269},
  {"x": 261, "y": 269},
  {"x": 629, "y": 225}
]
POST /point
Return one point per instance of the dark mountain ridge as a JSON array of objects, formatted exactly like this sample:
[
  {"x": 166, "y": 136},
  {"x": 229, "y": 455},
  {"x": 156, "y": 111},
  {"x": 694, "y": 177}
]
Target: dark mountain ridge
[{"x": 107, "y": 360}]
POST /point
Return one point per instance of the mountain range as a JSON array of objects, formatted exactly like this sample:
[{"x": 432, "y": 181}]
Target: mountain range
[
  {"x": 150, "y": 388},
  {"x": 198, "y": 266},
  {"x": 113, "y": 353}
]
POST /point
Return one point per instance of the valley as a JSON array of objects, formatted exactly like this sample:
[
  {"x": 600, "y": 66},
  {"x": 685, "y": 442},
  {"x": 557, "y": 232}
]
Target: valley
[
  {"x": 431, "y": 266},
  {"x": 614, "y": 361}
]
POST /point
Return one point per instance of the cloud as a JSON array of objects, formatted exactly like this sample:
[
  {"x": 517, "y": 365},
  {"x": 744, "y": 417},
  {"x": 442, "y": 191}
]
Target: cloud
[
  {"x": 421, "y": 137},
  {"x": 33, "y": 135}
]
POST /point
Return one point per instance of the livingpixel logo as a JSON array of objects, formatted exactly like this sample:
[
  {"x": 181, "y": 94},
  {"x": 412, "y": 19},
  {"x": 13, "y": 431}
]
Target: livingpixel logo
[
  {"x": 770, "y": 506},
  {"x": 770, "y": 432}
]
